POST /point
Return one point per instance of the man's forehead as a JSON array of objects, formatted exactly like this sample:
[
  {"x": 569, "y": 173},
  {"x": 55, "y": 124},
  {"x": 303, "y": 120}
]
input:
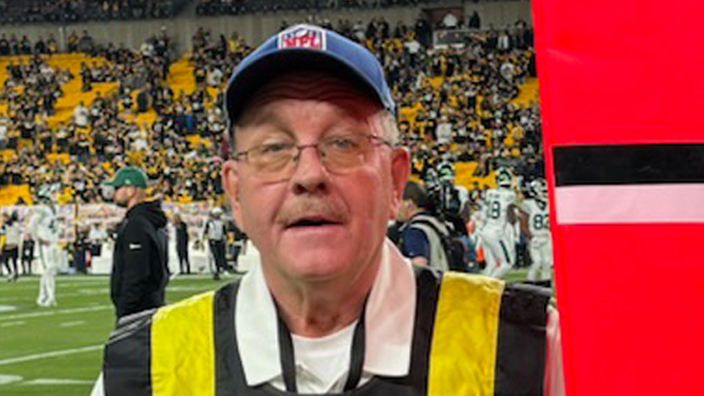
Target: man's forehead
[{"x": 314, "y": 86}]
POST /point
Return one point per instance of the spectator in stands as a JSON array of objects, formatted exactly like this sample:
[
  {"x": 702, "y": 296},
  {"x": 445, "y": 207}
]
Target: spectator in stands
[{"x": 80, "y": 115}]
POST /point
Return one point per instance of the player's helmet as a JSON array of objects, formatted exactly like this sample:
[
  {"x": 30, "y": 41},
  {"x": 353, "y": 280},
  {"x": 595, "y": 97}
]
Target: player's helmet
[
  {"x": 539, "y": 190},
  {"x": 216, "y": 212},
  {"x": 504, "y": 178},
  {"x": 45, "y": 194}
]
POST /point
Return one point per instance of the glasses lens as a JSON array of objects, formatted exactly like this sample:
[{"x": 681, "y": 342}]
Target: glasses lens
[
  {"x": 271, "y": 161},
  {"x": 341, "y": 153}
]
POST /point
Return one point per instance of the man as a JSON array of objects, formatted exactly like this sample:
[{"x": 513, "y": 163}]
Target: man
[
  {"x": 535, "y": 221},
  {"x": 12, "y": 235},
  {"x": 497, "y": 234},
  {"x": 45, "y": 231},
  {"x": 215, "y": 232},
  {"x": 139, "y": 266},
  {"x": 420, "y": 238},
  {"x": 27, "y": 253},
  {"x": 239, "y": 245},
  {"x": 182, "y": 244},
  {"x": 332, "y": 306}
]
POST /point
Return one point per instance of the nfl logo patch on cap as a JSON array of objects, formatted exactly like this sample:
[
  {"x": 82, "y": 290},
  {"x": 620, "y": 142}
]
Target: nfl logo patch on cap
[{"x": 302, "y": 36}]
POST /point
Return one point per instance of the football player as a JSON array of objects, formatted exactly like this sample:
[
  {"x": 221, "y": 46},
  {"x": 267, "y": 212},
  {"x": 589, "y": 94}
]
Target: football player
[
  {"x": 535, "y": 215},
  {"x": 45, "y": 232},
  {"x": 498, "y": 233}
]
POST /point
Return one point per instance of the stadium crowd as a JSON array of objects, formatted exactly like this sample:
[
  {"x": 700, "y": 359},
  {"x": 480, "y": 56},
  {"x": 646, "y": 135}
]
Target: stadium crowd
[
  {"x": 234, "y": 7},
  {"x": 455, "y": 105},
  {"x": 68, "y": 11}
]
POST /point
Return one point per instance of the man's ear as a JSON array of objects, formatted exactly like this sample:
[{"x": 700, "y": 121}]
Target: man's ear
[
  {"x": 230, "y": 181},
  {"x": 400, "y": 170}
]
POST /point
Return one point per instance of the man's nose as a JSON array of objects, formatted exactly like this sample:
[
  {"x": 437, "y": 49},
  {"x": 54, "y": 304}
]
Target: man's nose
[{"x": 310, "y": 175}]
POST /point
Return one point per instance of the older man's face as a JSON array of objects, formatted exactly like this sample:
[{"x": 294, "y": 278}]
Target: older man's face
[{"x": 316, "y": 224}]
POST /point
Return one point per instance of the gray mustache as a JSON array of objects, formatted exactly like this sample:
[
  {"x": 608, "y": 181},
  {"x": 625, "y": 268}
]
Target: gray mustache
[{"x": 328, "y": 209}]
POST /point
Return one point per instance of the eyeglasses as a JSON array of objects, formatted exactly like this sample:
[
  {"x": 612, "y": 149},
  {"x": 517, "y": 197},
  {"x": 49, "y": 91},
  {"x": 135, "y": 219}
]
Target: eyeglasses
[{"x": 339, "y": 154}]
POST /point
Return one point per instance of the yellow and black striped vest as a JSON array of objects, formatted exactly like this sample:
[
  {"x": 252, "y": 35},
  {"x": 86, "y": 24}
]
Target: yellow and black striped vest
[{"x": 473, "y": 336}]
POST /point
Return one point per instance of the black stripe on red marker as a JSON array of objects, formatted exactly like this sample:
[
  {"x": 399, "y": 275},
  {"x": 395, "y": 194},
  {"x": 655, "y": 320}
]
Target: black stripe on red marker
[{"x": 629, "y": 164}]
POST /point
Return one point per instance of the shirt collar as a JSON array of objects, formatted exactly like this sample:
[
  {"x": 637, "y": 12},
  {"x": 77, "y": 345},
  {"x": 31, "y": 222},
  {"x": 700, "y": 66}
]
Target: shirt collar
[{"x": 389, "y": 322}]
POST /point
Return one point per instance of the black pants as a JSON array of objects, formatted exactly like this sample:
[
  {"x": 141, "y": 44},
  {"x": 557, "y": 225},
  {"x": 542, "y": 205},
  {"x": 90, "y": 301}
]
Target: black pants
[
  {"x": 27, "y": 257},
  {"x": 183, "y": 261},
  {"x": 10, "y": 254},
  {"x": 217, "y": 248}
]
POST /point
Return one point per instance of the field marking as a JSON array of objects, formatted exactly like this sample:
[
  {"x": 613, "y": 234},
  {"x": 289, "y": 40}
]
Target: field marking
[
  {"x": 55, "y": 312},
  {"x": 46, "y": 355},
  {"x": 9, "y": 378},
  {"x": 81, "y": 293},
  {"x": 71, "y": 324},
  {"x": 52, "y": 381},
  {"x": 9, "y": 324},
  {"x": 24, "y": 283},
  {"x": 7, "y": 308}
]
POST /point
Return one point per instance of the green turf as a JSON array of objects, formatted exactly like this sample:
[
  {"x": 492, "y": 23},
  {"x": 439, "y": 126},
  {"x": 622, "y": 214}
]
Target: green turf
[{"x": 83, "y": 318}]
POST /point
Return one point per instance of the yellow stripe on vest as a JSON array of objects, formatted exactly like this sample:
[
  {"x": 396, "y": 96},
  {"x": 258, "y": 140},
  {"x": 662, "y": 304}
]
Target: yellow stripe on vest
[
  {"x": 182, "y": 348},
  {"x": 463, "y": 352}
]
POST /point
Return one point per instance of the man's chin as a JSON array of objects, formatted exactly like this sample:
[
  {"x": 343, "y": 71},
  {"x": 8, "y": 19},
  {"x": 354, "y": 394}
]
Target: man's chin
[{"x": 317, "y": 267}]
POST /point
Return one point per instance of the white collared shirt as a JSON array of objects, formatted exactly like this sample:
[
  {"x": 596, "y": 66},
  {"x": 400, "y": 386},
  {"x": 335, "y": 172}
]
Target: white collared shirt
[{"x": 388, "y": 325}]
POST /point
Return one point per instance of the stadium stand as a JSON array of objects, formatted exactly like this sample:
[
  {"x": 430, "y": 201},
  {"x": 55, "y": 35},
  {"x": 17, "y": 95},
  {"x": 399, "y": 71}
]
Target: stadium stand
[
  {"x": 101, "y": 106},
  {"x": 32, "y": 11}
]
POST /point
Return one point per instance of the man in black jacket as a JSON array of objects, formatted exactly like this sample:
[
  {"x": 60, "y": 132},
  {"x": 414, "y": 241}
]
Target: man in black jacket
[{"x": 139, "y": 269}]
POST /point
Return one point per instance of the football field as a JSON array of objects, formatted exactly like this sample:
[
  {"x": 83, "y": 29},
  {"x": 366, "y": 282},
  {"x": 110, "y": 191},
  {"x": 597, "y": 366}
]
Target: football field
[{"x": 58, "y": 350}]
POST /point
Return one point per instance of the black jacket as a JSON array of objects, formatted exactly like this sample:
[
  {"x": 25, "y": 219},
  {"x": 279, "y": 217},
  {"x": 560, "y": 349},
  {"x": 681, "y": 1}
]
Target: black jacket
[
  {"x": 139, "y": 266},
  {"x": 182, "y": 236}
]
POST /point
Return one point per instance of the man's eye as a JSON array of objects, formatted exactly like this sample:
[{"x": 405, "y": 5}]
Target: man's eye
[
  {"x": 274, "y": 148},
  {"x": 343, "y": 143}
]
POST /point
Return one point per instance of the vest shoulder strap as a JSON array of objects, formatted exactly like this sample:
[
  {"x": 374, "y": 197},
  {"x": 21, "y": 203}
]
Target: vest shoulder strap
[{"x": 463, "y": 352}]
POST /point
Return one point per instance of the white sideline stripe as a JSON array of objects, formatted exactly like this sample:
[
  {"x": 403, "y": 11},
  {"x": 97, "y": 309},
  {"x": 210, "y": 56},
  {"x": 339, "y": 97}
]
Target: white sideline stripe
[
  {"x": 9, "y": 324},
  {"x": 51, "y": 381},
  {"x": 39, "y": 356},
  {"x": 81, "y": 292},
  {"x": 71, "y": 324},
  {"x": 56, "y": 312}
]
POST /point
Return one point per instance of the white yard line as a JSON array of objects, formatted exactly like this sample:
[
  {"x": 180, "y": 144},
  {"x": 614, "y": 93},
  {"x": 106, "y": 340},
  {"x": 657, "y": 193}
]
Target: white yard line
[
  {"x": 10, "y": 324},
  {"x": 46, "y": 355},
  {"x": 56, "y": 381},
  {"x": 72, "y": 324},
  {"x": 54, "y": 312}
]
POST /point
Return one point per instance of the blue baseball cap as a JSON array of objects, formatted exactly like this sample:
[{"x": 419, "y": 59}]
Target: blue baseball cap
[{"x": 306, "y": 47}]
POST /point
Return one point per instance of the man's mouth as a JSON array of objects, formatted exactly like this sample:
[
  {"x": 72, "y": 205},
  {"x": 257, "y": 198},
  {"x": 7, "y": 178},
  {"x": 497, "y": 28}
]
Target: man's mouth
[{"x": 312, "y": 221}]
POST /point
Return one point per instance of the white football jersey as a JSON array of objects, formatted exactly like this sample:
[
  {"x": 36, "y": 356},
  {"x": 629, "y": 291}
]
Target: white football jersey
[
  {"x": 44, "y": 225},
  {"x": 496, "y": 204},
  {"x": 538, "y": 217}
]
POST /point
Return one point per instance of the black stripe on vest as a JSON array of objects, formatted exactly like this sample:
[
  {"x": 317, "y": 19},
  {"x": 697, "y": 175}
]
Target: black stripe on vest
[
  {"x": 427, "y": 293},
  {"x": 127, "y": 359},
  {"x": 629, "y": 164},
  {"x": 227, "y": 366},
  {"x": 520, "y": 355}
]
